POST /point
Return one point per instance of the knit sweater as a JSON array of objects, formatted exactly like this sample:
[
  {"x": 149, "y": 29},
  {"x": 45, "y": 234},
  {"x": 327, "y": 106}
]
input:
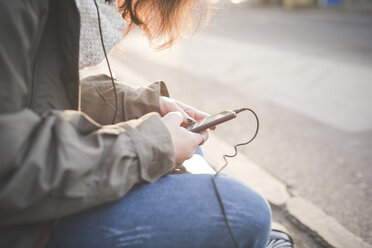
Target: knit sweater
[{"x": 112, "y": 24}]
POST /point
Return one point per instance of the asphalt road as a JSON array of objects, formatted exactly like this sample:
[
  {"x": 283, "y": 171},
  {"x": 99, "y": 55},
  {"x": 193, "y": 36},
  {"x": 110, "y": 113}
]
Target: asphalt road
[
  {"x": 320, "y": 32},
  {"x": 307, "y": 73}
]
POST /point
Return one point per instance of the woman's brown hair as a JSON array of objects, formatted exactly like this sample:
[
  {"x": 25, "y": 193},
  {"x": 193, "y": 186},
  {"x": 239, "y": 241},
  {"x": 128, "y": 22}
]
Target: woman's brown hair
[{"x": 164, "y": 21}]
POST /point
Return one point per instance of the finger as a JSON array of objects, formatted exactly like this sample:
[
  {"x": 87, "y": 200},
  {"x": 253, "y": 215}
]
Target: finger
[
  {"x": 187, "y": 120},
  {"x": 203, "y": 139},
  {"x": 173, "y": 106},
  {"x": 168, "y": 105},
  {"x": 196, "y": 114},
  {"x": 205, "y": 135},
  {"x": 175, "y": 118},
  {"x": 192, "y": 112}
]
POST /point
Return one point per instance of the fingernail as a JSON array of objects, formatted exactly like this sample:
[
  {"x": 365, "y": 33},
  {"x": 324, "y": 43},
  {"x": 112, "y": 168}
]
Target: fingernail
[{"x": 190, "y": 120}]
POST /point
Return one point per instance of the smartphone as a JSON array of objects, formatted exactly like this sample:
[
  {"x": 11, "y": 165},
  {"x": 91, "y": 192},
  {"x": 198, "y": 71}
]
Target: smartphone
[{"x": 211, "y": 121}]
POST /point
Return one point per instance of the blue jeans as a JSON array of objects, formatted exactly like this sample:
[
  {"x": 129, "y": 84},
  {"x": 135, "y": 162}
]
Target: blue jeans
[{"x": 176, "y": 211}]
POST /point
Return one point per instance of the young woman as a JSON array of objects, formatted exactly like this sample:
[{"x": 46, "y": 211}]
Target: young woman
[{"x": 70, "y": 181}]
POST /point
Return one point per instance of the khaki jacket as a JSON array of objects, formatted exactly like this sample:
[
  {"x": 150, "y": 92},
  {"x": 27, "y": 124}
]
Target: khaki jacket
[{"x": 54, "y": 159}]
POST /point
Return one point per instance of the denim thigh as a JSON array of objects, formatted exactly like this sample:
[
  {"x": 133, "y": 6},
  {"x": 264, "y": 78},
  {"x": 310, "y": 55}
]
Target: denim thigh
[{"x": 176, "y": 211}]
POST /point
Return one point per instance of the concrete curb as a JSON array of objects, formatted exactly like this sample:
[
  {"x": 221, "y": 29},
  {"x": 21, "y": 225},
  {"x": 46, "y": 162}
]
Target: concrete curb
[{"x": 277, "y": 194}]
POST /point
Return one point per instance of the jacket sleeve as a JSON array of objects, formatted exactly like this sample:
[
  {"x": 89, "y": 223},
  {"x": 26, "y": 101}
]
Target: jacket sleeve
[
  {"x": 98, "y": 99},
  {"x": 63, "y": 162}
]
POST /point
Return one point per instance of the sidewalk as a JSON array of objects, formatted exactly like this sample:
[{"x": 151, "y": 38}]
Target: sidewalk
[{"x": 294, "y": 80}]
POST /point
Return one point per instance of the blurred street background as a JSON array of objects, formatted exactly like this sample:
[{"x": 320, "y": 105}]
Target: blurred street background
[{"x": 305, "y": 67}]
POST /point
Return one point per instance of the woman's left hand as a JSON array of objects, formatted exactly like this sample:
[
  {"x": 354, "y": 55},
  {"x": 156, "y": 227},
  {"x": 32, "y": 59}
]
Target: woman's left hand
[{"x": 189, "y": 114}]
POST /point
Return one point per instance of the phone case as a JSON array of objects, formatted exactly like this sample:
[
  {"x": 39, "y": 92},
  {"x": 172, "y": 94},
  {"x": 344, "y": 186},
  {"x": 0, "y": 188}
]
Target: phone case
[{"x": 213, "y": 123}]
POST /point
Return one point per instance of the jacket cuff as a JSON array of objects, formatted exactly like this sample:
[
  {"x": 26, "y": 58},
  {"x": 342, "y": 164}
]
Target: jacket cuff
[
  {"x": 98, "y": 99},
  {"x": 135, "y": 106},
  {"x": 160, "y": 87},
  {"x": 153, "y": 144}
]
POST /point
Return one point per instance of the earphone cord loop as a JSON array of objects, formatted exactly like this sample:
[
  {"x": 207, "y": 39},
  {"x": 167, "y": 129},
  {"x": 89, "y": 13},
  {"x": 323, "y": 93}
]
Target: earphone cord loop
[{"x": 241, "y": 144}]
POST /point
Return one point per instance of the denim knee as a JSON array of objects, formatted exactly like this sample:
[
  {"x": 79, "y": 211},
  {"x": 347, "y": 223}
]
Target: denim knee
[
  {"x": 260, "y": 231},
  {"x": 248, "y": 212}
]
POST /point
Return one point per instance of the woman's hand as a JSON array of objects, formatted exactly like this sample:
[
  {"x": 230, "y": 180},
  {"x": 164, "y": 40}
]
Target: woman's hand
[
  {"x": 189, "y": 114},
  {"x": 184, "y": 141}
]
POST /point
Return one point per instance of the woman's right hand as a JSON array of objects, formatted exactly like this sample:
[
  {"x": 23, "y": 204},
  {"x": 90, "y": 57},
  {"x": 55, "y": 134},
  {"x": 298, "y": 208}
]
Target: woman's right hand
[{"x": 184, "y": 141}]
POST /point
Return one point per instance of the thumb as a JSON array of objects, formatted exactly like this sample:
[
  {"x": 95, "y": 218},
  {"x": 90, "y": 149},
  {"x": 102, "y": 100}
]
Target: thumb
[{"x": 175, "y": 118}]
